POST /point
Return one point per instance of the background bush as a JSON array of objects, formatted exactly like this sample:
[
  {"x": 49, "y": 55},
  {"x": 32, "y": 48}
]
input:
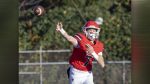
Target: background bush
[{"x": 36, "y": 31}]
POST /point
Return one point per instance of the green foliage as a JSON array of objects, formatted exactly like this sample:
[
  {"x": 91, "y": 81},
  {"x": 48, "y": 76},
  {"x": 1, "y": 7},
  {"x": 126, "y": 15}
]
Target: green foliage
[{"x": 36, "y": 31}]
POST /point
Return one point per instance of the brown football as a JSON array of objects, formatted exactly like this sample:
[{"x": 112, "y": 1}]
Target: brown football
[{"x": 39, "y": 10}]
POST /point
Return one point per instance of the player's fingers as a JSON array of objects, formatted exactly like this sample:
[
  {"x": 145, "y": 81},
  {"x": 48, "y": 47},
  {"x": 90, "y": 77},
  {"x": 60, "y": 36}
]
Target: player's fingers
[
  {"x": 60, "y": 24},
  {"x": 57, "y": 27},
  {"x": 87, "y": 45},
  {"x": 57, "y": 24}
]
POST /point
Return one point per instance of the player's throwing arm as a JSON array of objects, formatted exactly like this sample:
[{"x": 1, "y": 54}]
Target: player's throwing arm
[
  {"x": 97, "y": 57},
  {"x": 71, "y": 39}
]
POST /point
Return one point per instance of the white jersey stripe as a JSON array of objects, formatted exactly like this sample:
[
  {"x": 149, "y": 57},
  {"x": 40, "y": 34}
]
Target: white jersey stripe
[{"x": 78, "y": 37}]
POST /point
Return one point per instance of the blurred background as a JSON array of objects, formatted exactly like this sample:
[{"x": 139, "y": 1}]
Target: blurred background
[{"x": 44, "y": 54}]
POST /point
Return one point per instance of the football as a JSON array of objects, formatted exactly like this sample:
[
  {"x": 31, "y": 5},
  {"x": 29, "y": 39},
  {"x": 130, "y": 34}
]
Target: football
[{"x": 39, "y": 10}]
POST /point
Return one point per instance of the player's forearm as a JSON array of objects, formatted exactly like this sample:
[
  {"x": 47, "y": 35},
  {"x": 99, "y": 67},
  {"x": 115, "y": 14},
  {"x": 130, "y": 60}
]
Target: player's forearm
[
  {"x": 68, "y": 37},
  {"x": 99, "y": 59}
]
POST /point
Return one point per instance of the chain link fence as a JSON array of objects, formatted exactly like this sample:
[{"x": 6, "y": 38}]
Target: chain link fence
[{"x": 44, "y": 67}]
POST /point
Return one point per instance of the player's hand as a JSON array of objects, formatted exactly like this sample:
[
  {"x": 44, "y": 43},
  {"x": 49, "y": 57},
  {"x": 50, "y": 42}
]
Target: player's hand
[
  {"x": 59, "y": 26},
  {"x": 89, "y": 48}
]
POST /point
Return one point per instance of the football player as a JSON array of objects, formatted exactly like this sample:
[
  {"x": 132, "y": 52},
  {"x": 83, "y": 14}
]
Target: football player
[{"x": 87, "y": 48}]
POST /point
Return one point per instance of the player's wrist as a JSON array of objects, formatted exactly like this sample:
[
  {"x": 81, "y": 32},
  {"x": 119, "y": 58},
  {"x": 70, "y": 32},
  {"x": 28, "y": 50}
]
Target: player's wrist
[
  {"x": 95, "y": 55},
  {"x": 62, "y": 31}
]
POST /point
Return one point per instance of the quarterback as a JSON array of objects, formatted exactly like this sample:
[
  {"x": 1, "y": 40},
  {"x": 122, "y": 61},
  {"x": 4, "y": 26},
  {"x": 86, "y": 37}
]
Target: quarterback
[{"x": 87, "y": 48}]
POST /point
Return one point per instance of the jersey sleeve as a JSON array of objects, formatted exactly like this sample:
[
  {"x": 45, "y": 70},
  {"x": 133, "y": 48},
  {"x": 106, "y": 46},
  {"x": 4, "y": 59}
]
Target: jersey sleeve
[{"x": 78, "y": 38}]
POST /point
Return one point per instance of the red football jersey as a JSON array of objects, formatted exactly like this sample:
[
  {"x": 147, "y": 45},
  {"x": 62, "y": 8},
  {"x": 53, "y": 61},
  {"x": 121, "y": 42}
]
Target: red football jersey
[{"x": 79, "y": 56}]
